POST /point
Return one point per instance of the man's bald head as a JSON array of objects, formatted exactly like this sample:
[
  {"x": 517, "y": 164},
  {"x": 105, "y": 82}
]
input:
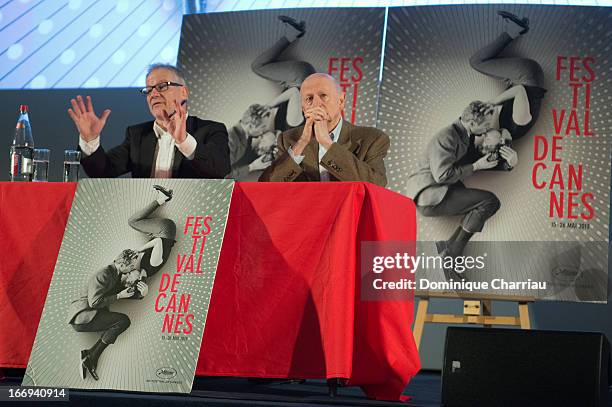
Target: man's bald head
[
  {"x": 324, "y": 76},
  {"x": 321, "y": 90}
]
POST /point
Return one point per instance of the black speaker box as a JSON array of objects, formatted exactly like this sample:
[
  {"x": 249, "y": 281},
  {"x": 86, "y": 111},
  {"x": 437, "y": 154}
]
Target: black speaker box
[{"x": 513, "y": 367}]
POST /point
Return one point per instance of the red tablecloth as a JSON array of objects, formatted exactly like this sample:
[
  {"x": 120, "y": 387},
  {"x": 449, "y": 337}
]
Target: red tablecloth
[{"x": 286, "y": 300}]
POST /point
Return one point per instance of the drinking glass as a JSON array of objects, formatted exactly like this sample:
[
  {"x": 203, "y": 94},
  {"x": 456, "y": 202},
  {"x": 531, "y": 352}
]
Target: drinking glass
[
  {"x": 72, "y": 160},
  {"x": 41, "y": 165}
]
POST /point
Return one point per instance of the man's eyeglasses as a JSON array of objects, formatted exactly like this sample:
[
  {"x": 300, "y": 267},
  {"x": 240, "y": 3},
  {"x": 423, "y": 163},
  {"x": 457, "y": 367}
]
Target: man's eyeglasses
[{"x": 160, "y": 87}]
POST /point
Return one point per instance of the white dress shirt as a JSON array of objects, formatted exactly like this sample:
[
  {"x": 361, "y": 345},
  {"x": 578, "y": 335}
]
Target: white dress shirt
[
  {"x": 324, "y": 174},
  {"x": 164, "y": 151}
]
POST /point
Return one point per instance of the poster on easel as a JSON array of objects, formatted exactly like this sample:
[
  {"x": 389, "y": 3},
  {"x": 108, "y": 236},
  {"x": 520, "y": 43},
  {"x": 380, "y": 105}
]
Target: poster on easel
[{"x": 500, "y": 128}]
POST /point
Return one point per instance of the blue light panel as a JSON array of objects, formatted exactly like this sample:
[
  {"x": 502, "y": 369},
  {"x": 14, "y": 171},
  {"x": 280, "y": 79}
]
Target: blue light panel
[{"x": 109, "y": 43}]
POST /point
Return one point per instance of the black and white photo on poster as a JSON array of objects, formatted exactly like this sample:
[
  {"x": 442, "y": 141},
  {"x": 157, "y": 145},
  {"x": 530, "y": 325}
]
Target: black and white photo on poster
[
  {"x": 255, "y": 62},
  {"x": 129, "y": 295},
  {"x": 479, "y": 90},
  {"x": 124, "y": 278}
]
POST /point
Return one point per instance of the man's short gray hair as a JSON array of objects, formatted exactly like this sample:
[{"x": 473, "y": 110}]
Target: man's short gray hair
[{"x": 177, "y": 72}]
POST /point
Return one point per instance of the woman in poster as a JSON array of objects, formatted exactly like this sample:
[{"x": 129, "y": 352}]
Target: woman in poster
[
  {"x": 161, "y": 233},
  {"x": 289, "y": 74},
  {"x": 250, "y": 149},
  {"x": 518, "y": 107}
]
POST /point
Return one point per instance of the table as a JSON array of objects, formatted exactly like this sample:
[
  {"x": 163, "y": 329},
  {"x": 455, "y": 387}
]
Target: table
[{"x": 306, "y": 322}]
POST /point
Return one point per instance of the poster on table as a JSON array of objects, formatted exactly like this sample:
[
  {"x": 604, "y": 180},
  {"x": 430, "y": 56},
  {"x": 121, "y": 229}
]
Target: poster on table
[
  {"x": 500, "y": 127},
  {"x": 129, "y": 296},
  {"x": 245, "y": 69}
]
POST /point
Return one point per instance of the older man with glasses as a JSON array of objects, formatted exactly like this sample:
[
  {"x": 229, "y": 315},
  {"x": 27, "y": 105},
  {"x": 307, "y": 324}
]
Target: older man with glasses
[{"x": 174, "y": 145}]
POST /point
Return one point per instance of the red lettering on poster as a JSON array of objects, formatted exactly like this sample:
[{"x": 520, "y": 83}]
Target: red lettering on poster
[
  {"x": 568, "y": 199},
  {"x": 348, "y": 72},
  {"x": 172, "y": 302}
]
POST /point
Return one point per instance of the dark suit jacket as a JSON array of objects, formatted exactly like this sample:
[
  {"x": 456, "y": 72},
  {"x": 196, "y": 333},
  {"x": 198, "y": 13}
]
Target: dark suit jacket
[
  {"x": 136, "y": 153},
  {"x": 100, "y": 292},
  {"x": 357, "y": 156},
  {"x": 440, "y": 166}
]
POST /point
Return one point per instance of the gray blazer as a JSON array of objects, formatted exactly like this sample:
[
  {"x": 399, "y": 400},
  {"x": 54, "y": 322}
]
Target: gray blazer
[
  {"x": 357, "y": 156},
  {"x": 439, "y": 167},
  {"x": 100, "y": 292}
]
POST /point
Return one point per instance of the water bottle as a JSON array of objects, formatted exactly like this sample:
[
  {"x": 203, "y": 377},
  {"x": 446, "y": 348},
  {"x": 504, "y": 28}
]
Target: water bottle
[{"x": 22, "y": 149}]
